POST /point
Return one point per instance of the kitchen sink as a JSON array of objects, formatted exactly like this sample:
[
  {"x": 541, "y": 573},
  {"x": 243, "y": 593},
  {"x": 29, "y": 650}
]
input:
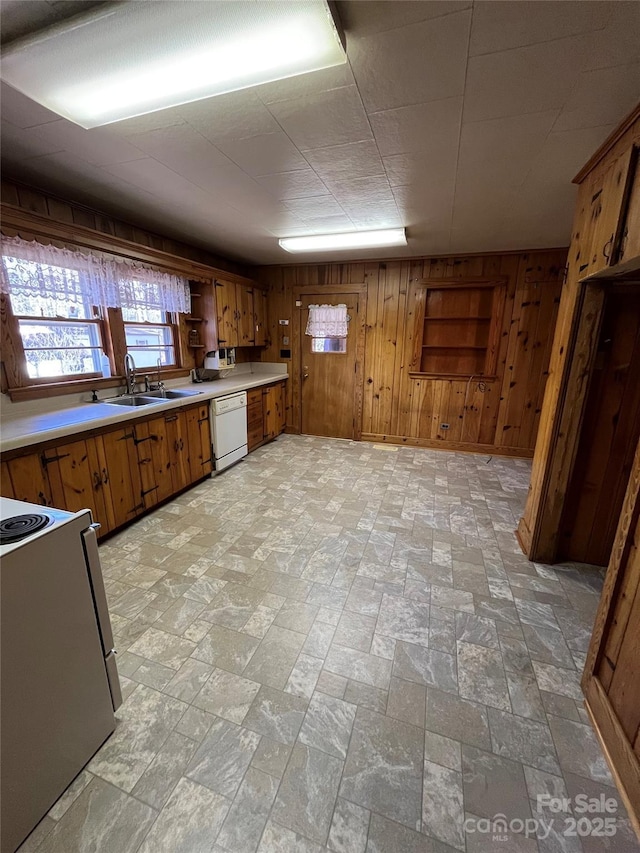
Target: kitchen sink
[
  {"x": 170, "y": 395},
  {"x": 131, "y": 401}
]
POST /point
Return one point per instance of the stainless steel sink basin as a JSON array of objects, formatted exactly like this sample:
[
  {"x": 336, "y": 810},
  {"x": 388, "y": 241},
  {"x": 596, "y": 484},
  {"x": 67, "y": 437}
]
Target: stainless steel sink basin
[
  {"x": 167, "y": 394},
  {"x": 131, "y": 401}
]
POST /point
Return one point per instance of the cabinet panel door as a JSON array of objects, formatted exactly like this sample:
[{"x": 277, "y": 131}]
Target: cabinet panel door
[
  {"x": 281, "y": 407},
  {"x": 158, "y": 448},
  {"x": 123, "y": 474},
  {"x": 6, "y": 487},
  {"x": 177, "y": 440},
  {"x": 260, "y": 315},
  {"x": 227, "y": 312},
  {"x": 630, "y": 236},
  {"x": 29, "y": 480},
  {"x": 269, "y": 398},
  {"x": 75, "y": 478},
  {"x": 608, "y": 194},
  {"x": 148, "y": 481},
  {"x": 246, "y": 320},
  {"x": 197, "y": 419}
]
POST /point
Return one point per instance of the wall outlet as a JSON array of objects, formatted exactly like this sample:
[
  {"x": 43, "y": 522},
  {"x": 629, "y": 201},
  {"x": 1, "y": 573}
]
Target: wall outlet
[{"x": 444, "y": 426}]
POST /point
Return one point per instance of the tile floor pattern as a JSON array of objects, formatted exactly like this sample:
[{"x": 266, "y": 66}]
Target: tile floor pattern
[{"x": 337, "y": 646}]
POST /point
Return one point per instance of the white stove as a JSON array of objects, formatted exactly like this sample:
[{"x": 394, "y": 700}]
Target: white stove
[{"x": 59, "y": 683}]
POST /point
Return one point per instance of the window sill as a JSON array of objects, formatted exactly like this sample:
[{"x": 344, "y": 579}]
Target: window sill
[{"x": 75, "y": 386}]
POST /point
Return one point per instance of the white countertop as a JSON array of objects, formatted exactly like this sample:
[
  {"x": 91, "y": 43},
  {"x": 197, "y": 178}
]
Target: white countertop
[{"x": 24, "y": 428}]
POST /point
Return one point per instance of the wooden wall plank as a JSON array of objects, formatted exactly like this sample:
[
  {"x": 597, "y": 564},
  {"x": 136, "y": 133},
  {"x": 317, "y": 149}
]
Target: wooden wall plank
[{"x": 397, "y": 406}]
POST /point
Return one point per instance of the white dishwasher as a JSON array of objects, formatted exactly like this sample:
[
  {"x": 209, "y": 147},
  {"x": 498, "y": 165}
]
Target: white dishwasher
[{"x": 229, "y": 429}]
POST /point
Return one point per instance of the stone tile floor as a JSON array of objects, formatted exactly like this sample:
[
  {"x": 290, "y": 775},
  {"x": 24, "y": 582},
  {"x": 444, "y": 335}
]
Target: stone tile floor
[{"x": 338, "y": 646}]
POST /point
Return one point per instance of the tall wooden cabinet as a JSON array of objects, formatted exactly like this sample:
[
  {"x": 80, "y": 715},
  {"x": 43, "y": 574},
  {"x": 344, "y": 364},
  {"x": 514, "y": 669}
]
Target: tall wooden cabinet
[
  {"x": 601, "y": 281},
  {"x": 266, "y": 414},
  {"x": 241, "y": 311}
]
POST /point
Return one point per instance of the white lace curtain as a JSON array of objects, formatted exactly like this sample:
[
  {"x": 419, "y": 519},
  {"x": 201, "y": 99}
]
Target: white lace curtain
[
  {"x": 36, "y": 270},
  {"x": 327, "y": 321}
]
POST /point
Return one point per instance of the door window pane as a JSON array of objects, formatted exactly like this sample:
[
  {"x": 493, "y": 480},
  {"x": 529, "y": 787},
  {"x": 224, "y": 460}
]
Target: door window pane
[{"x": 328, "y": 345}]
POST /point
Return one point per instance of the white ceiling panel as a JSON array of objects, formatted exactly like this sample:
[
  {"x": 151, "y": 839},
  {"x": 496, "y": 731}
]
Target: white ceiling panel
[
  {"x": 413, "y": 64},
  {"x": 524, "y": 80},
  {"x": 463, "y": 121},
  {"x": 99, "y": 146},
  {"x": 303, "y": 183},
  {"x": 499, "y": 26},
  {"x": 376, "y": 17},
  {"x": 601, "y": 97},
  {"x": 265, "y": 154},
  {"x": 432, "y": 128},
  {"x": 353, "y": 160},
  {"x": 326, "y": 118}
]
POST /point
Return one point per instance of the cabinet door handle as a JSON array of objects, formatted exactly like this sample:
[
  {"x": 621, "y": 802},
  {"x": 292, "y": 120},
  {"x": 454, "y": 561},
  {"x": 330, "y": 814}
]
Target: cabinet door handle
[
  {"x": 105, "y": 476},
  {"x": 175, "y": 446},
  {"x": 181, "y": 444},
  {"x": 607, "y": 251},
  {"x": 97, "y": 480},
  {"x": 171, "y": 418}
]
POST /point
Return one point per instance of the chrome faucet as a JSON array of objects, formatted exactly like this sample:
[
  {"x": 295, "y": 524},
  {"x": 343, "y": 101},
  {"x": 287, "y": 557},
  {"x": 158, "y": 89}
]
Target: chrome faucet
[{"x": 130, "y": 373}]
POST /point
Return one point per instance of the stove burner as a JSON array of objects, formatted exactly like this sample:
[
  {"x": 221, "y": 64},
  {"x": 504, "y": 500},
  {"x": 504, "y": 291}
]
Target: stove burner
[{"x": 20, "y": 526}]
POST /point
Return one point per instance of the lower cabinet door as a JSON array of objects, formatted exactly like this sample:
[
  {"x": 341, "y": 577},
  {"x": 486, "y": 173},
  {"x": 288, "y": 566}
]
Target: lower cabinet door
[
  {"x": 176, "y": 427},
  {"x": 155, "y": 451},
  {"x": 76, "y": 476},
  {"x": 199, "y": 435},
  {"x": 28, "y": 480},
  {"x": 123, "y": 474}
]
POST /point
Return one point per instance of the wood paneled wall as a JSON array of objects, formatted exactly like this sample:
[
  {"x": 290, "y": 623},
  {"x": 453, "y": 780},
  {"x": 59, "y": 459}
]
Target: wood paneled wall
[
  {"x": 498, "y": 415},
  {"x": 68, "y": 212}
]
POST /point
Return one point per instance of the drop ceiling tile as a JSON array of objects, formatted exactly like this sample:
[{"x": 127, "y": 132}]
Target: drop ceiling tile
[
  {"x": 378, "y": 16},
  {"x": 362, "y": 190},
  {"x": 411, "y": 65},
  {"x": 180, "y": 147},
  {"x": 431, "y": 128},
  {"x": 265, "y": 154},
  {"x": 131, "y": 127},
  {"x": 618, "y": 42},
  {"x": 22, "y": 111},
  {"x": 601, "y": 97},
  {"x": 353, "y": 160},
  {"x": 501, "y": 151},
  {"x": 20, "y": 144},
  {"x": 312, "y": 208},
  {"x": 299, "y": 184},
  {"x": 98, "y": 146},
  {"x": 328, "y": 118},
  {"x": 433, "y": 201},
  {"x": 500, "y": 26},
  {"x": 232, "y": 116},
  {"x": 564, "y": 153},
  {"x": 306, "y": 84},
  {"x": 419, "y": 170},
  {"x": 524, "y": 80},
  {"x": 156, "y": 179}
]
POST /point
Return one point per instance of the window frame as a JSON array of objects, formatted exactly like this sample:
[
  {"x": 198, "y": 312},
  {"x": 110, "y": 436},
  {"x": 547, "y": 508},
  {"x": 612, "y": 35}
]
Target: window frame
[{"x": 172, "y": 322}]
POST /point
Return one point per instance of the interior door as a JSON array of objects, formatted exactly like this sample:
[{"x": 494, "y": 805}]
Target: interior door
[{"x": 329, "y": 372}]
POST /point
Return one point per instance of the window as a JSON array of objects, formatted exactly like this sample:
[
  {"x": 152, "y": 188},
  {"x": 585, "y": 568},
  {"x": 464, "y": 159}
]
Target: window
[
  {"x": 150, "y": 336},
  {"x": 460, "y": 328},
  {"x": 61, "y": 333},
  {"x": 328, "y": 344}
]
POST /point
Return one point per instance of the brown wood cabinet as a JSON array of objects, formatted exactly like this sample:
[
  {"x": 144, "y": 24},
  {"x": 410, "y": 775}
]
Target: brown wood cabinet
[
  {"x": 611, "y": 679},
  {"x": 582, "y": 434},
  {"x": 116, "y": 473},
  {"x": 241, "y": 312},
  {"x": 265, "y": 414}
]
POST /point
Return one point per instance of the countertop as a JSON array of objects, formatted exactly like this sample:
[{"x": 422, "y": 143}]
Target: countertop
[{"x": 26, "y": 428}]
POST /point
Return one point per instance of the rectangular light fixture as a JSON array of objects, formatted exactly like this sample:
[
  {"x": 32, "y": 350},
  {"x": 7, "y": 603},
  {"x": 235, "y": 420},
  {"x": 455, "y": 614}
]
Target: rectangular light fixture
[
  {"x": 346, "y": 240},
  {"x": 129, "y": 59}
]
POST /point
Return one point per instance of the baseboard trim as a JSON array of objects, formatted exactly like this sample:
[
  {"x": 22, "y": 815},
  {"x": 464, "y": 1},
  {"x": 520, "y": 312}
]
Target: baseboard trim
[{"x": 451, "y": 446}]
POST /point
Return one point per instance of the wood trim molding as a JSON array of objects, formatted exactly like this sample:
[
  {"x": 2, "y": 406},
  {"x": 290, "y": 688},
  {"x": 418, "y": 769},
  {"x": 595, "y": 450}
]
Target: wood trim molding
[
  {"x": 27, "y": 224},
  {"x": 457, "y": 446},
  {"x": 608, "y": 144}
]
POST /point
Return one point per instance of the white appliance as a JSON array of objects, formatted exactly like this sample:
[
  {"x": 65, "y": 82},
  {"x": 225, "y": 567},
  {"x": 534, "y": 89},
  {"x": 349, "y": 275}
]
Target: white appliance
[
  {"x": 229, "y": 429},
  {"x": 222, "y": 359},
  {"x": 59, "y": 682}
]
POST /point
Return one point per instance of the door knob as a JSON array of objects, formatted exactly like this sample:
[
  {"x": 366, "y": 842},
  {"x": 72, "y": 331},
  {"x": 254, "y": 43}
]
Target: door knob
[{"x": 305, "y": 372}]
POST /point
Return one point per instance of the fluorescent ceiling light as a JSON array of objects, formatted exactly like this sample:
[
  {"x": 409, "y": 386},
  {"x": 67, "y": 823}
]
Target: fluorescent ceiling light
[
  {"x": 348, "y": 240},
  {"x": 138, "y": 57}
]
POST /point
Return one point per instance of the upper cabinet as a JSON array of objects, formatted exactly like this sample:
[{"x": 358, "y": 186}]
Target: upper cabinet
[
  {"x": 629, "y": 246},
  {"x": 241, "y": 312}
]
